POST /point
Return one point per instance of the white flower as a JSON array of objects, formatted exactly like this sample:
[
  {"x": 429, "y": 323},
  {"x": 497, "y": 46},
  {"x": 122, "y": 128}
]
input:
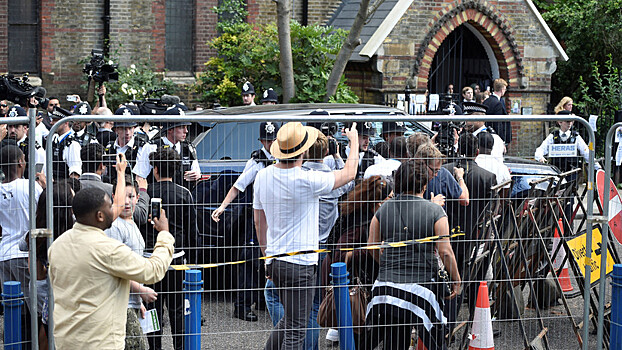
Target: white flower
[
  {"x": 133, "y": 91},
  {"x": 110, "y": 62},
  {"x": 124, "y": 88},
  {"x": 133, "y": 66}
]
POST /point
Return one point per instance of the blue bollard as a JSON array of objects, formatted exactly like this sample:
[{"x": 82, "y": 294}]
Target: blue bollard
[
  {"x": 193, "y": 286},
  {"x": 616, "y": 308},
  {"x": 13, "y": 299},
  {"x": 342, "y": 305}
]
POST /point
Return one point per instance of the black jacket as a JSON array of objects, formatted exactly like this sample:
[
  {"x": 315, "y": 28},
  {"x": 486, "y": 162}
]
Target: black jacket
[{"x": 497, "y": 107}]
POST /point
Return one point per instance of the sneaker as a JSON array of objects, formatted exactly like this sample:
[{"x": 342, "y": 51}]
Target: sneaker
[{"x": 332, "y": 335}]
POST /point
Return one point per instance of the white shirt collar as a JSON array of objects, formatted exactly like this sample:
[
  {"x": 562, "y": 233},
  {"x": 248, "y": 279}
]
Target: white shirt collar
[
  {"x": 129, "y": 144},
  {"x": 93, "y": 174},
  {"x": 168, "y": 142}
]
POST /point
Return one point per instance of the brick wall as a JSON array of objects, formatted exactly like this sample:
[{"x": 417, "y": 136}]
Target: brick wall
[
  {"x": 525, "y": 54},
  {"x": 4, "y": 41},
  {"x": 205, "y": 30},
  {"x": 319, "y": 11}
]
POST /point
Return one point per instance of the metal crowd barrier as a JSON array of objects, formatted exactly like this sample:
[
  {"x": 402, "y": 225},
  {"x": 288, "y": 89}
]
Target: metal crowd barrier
[{"x": 306, "y": 118}]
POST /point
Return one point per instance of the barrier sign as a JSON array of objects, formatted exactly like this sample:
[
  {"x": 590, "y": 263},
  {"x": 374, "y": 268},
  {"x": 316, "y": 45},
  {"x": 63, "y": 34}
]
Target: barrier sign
[
  {"x": 563, "y": 150},
  {"x": 578, "y": 248}
]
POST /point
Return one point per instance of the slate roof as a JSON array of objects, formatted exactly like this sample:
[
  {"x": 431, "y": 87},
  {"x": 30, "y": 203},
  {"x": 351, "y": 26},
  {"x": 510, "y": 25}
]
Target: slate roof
[{"x": 344, "y": 17}]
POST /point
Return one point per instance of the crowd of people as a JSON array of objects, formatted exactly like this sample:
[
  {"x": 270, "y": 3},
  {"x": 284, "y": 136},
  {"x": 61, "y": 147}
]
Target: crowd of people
[{"x": 108, "y": 263}]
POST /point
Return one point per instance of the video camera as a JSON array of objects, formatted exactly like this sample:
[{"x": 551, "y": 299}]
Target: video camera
[
  {"x": 18, "y": 90},
  {"x": 158, "y": 105},
  {"x": 98, "y": 70},
  {"x": 328, "y": 129}
]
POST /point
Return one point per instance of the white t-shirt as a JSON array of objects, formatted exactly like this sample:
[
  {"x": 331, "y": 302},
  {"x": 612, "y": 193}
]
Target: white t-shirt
[
  {"x": 14, "y": 216},
  {"x": 492, "y": 164},
  {"x": 250, "y": 171},
  {"x": 385, "y": 168},
  {"x": 290, "y": 199}
]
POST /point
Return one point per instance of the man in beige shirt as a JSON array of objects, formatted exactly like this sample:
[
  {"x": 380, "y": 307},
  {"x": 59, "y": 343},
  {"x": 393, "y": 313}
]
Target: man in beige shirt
[{"x": 90, "y": 273}]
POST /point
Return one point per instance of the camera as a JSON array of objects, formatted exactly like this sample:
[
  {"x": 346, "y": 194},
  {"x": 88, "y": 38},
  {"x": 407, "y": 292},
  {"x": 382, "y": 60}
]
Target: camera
[
  {"x": 19, "y": 91},
  {"x": 156, "y": 207},
  {"x": 445, "y": 139},
  {"x": 98, "y": 70},
  {"x": 328, "y": 129}
]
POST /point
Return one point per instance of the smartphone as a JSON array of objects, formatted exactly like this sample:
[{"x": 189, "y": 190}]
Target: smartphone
[
  {"x": 72, "y": 98},
  {"x": 156, "y": 207},
  {"x": 38, "y": 167}
]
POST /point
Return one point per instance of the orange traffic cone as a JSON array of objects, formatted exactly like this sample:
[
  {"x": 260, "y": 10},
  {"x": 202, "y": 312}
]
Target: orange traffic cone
[
  {"x": 564, "y": 277},
  {"x": 481, "y": 332}
]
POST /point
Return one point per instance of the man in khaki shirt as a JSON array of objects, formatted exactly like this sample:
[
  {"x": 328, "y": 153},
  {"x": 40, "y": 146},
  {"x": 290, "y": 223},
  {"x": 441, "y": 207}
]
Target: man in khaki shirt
[{"x": 90, "y": 273}]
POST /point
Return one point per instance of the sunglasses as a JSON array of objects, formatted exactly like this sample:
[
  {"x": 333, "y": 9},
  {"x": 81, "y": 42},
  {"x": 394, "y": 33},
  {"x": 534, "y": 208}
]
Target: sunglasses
[
  {"x": 434, "y": 171},
  {"x": 4, "y": 106}
]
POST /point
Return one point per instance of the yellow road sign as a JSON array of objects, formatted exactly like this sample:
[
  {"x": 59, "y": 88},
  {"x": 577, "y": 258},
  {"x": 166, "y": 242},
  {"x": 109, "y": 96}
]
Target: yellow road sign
[{"x": 578, "y": 248}]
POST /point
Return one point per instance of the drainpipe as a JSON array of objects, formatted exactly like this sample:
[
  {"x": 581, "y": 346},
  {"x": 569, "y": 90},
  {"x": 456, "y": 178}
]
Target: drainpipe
[{"x": 106, "y": 19}]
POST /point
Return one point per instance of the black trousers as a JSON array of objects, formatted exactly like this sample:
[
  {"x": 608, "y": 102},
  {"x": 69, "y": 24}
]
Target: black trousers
[
  {"x": 170, "y": 292},
  {"x": 251, "y": 274}
]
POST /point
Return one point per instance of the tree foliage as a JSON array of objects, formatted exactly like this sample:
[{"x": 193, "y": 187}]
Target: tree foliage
[
  {"x": 590, "y": 31},
  {"x": 247, "y": 53}
]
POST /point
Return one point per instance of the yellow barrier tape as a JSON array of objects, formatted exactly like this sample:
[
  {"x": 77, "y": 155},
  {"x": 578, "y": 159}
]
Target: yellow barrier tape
[{"x": 374, "y": 247}]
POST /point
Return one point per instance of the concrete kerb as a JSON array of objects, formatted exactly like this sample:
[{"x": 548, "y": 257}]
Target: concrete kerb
[{"x": 350, "y": 118}]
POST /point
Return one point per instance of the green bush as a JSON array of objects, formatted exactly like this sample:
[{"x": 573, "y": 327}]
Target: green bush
[
  {"x": 134, "y": 83},
  {"x": 252, "y": 54}
]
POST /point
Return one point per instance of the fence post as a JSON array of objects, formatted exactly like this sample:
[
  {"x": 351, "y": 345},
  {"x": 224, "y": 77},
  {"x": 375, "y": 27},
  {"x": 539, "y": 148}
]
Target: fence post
[
  {"x": 13, "y": 299},
  {"x": 616, "y": 308},
  {"x": 193, "y": 286},
  {"x": 342, "y": 305}
]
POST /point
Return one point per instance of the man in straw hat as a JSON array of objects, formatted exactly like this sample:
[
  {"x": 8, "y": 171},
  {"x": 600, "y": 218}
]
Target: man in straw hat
[{"x": 286, "y": 210}]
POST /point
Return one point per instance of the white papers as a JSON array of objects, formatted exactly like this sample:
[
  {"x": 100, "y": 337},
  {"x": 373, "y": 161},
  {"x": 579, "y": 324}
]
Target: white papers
[
  {"x": 150, "y": 323},
  {"x": 592, "y": 121}
]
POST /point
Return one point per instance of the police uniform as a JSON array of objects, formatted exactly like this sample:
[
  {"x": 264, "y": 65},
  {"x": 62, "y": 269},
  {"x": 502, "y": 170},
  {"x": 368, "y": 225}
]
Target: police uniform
[
  {"x": 270, "y": 96},
  {"x": 185, "y": 149},
  {"x": 130, "y": 149},
  {"x": 498, "y": 148},
  {"x": 570, "y": 137},
  {"x": 249, "y": 89},
  {"x": 17, "y": 111},
  {"x": 65, "y": 150},
  {"x": 86, "y": 135},
  {"x": 366, "y": 158},
  {"x": 248, "y": 274}
]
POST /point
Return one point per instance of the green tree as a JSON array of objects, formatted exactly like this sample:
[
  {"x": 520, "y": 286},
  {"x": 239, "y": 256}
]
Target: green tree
[
  {"x": 246, "y": 53},
  {"x": 590, "y": 31}
]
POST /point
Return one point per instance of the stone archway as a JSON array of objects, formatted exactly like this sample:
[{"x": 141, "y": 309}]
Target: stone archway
[{"x": 488, "y": 22}]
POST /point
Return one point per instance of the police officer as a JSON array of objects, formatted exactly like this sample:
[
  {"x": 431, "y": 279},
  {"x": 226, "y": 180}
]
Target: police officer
[
  {"x": 248, "y": 277},
  {"x": 84, "y": 131},
  {"x": 269, "y": 97},
  {"x": 566, "y": 136},
  {"x": 367, "y": 155},
  {"x": 390, "y": 130},
  {"x": 17, "y": 135},
  {"x": 125, "y": 142},
  {"x": 173, "y": 135},
  {"x": 65, "y": 148},
  {"x": 248, "y": 94}
]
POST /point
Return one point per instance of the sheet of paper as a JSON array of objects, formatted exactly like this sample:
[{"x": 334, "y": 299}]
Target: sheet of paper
[
  {"x": 592, "y": 121},
  {"x": 150, "y": 323}
]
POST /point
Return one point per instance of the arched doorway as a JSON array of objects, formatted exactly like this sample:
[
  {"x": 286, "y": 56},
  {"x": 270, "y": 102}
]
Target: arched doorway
[{"x": 464, "y": 58}]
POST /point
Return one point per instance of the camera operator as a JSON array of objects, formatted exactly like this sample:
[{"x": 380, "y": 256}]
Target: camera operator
[
  {"x": 175, "y": 134},
  {"x": 248, "y": 278},
  {"x": 66, "y": 160},
  {"x": 477, "y": 127},
  {"x": 390, "y": 130}
]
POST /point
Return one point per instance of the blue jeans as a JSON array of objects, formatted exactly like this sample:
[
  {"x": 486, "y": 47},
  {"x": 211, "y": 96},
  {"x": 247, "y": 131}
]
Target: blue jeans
[{"x": 276, "y": 311}]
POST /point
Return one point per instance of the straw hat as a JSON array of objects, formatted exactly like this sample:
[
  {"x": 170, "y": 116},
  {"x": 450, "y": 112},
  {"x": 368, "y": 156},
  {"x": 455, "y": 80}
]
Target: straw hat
[{"x": 292, "y": 140}]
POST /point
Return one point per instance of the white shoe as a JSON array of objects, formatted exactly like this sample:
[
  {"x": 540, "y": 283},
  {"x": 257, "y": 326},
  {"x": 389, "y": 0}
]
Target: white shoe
[{"x": 332, "y": 335}]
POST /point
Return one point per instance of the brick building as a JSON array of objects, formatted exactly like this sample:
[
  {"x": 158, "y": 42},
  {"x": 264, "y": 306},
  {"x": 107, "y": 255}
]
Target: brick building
[
  {"x": 423, "y": 44},
  {"x": 47, "y": 38}
]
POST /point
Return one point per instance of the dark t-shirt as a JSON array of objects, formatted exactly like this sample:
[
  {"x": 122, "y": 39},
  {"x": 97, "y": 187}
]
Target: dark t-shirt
[
  {"x": 178, "y": 203},
  {"x": 414, "y": 263}
]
